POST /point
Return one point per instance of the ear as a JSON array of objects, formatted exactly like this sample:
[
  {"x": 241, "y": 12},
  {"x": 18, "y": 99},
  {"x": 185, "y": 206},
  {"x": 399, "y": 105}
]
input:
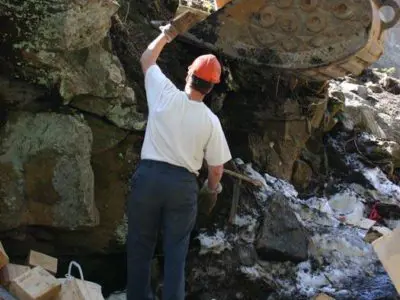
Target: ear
[{"x": 189, "y": 78}]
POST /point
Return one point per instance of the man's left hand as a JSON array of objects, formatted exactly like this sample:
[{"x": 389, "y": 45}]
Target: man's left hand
[
  {"x": 208, "y": 198},
  {"x": 179, "y": 25}
]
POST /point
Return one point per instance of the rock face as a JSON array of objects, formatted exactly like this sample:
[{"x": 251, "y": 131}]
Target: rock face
[
  {"x": 61, "y": 42},
  {"x": 60, "y": 168},
  {"x": 376, "y": 113},
  {"x": 277, "y": 130},
  {"x": 121, "y": 111},
  {"x": 112, "y": 167},
  {"x": 46, "y": 176},
  {"x": 282, "y": 236}
]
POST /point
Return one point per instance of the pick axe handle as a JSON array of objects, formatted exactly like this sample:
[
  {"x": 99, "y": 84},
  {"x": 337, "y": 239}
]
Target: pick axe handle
[
  {"x": 235, "y": 200},
  {"x": 243, "y": 177}
]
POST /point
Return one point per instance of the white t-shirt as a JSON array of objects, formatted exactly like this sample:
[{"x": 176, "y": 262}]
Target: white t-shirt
[{"x": 180, "y": 131}]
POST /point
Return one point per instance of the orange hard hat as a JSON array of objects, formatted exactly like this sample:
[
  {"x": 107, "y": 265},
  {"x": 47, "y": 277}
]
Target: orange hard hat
[{"x": 206, "y": 67}]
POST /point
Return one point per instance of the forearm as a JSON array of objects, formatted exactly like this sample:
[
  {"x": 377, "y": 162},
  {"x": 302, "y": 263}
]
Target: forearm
[
  {"x": 153, "y": 51},
  {"x": 214, "y": 176}
]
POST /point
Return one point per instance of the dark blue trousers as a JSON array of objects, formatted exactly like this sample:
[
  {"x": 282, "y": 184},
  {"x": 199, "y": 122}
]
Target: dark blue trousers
[{"x": 163, "y": 197}]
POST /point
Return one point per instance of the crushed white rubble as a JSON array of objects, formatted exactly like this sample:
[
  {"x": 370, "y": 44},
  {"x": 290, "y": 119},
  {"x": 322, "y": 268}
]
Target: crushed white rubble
[
  {"x": 216, "y": 243},
  {"x": 339, "y": 247}
]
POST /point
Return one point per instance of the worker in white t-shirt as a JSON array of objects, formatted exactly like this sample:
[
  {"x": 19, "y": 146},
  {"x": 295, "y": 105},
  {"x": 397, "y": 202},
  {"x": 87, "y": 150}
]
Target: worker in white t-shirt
[{"x": 181, "y": 132}]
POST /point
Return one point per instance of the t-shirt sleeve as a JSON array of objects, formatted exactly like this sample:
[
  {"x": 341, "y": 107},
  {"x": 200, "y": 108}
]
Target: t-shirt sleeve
[
  {"x": 217, "y": 150},
  {"x": 157, "y": 86}
]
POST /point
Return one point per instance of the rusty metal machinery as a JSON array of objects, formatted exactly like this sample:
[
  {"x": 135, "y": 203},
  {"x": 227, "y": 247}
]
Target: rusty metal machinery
[{"x": 312, "y": 39}]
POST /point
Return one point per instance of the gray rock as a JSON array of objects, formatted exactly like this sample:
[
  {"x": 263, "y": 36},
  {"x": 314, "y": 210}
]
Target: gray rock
[
  {"x": 62, "y": 42},
  {"x": 113, "y": 169},
  {"x": 46, "y": 176},
  {"x": 92, "y": 104},
  {"x": 93, "y": 71},
  {"x": 381, "y": 117},
  {"x": 282, "y": 236},
  {"x": 360, "y": 90},
  {"x": 335, "y": 92},
  {"x": 391, "y": 85},
  {"x": 359, "y": 113},
  {"x": 105, "y": 135},
  {"x": 65, "y": 25},
  {"x": 302, "y": 174},
  {"x": 374, "y": 87},
  {"x": 394, "y": 149},
  {"x": 121, "y": 111},
  {"x": 351, "y": 80},
  {"x": 247, "y": 255}
]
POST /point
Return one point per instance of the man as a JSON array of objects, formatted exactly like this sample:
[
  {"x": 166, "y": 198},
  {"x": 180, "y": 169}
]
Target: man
[{"x": 181, "y": 132}]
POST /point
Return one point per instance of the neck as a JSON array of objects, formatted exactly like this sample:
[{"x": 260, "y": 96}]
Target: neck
[{"x": 193, "y": 94}]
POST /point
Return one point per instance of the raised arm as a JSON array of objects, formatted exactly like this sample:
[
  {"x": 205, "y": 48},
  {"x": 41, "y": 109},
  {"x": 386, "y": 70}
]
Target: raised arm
[
  {"x": 169, "y": 32},
  {"x": 153, "y": 51},
  {"x": 156, "y": 83}
]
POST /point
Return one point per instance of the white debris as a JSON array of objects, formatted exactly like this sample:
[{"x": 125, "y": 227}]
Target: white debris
[
  {"x": 271, "y": 184},
  {"x": 251, "y": 272},
  {"x": 245, "y": 221},
  {"x": 265, "y": 190},
  {"x": 307, "y": 281},
  {"x": 381, "y": 183},
  {"x": 348, "y": 205},
  {"x": 387, "y": 191},
  {"x": 320, "y": 204},
  {"x": 345, "y": 203},
  {"x": 279, "y": 185},
  {"x": 348, "y": 257},
  {"x": 215, "y": 243}
]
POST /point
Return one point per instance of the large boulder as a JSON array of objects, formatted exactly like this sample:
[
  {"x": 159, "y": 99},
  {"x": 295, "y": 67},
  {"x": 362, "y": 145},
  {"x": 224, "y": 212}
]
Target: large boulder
[
  {"x": 61, "y": 42},
  {"x": 115, "y": 154},
  {"x": 282, "y": 236},
  {"x": 93, "y": 70},
  {"x": 46, "y": 177}
]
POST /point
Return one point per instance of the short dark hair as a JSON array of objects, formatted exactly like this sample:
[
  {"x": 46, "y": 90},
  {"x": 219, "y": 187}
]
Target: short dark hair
[{"x": 200, "y": 85}]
